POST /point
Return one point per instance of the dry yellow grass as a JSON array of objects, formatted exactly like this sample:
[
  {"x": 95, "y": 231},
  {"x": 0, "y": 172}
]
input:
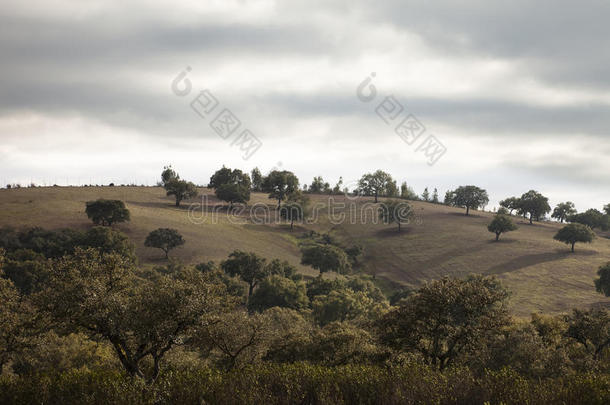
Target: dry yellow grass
[{"x": 541, "y": 273}]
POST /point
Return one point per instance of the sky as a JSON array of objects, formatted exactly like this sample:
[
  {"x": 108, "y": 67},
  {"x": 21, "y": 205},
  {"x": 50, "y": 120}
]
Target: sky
[{"x": 513, "y": 95}]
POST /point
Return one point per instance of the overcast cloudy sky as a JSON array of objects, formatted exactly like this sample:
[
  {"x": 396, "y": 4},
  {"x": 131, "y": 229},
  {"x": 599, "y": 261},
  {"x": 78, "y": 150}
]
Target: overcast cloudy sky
[{"x": 518, "y": 92}]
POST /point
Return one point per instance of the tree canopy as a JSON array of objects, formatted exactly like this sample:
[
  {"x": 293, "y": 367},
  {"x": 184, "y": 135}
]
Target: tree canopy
[
  {"x": 563, "y": 211},
  {"x": 534, "y": 204},
  {"x": 377, "y": 184},
  {"x": 326, "y": 258},
  {"x": 469, "y": 197},
  {"x": 396, "y": 211},
  {"x": 280, "y": 184},
  {"x": 165, "y": 239},
  {"x": 501, "y": 224},
  {"x": 574, "y": 233},
  {"x": 107, "y": 212}
]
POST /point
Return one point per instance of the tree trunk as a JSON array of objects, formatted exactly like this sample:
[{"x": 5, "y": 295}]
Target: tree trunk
[
  {"x": 398, "y": 226},
  {"x": 467, "y": 210},
  {"x": 291, "y": 224},
  {"x": 531, "y": 219},
  {"x": 497, "y": 236},
  {"x": 166, "y": 254},
  {"x": 177, "y": 203},
  {"x": 573, "y": 243},
  {"x": 279, "y": 203},
  {"x": 376, "y": 194}
]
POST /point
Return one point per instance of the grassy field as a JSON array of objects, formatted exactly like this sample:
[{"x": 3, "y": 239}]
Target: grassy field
[{"x": 541, "y": 273}]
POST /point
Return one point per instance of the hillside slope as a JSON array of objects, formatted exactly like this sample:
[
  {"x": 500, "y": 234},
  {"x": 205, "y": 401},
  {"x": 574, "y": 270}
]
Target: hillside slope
[{"x": 541, "y": 273}]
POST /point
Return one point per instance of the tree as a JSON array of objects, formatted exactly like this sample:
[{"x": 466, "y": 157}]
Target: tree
[
  {"x": 337, "y": 188},
  {"x": 248, "y": 266},
  {"x": 511, "y": 204},
  {"x": 280, "y": 184},
  {"x": 292, "y": 211},
  {"x": 239, "y": 338},
  {"x": 449, "y": 197},
  {"x": 345, "y": 305},
  {"x": 101, "y": 296},
  {"x": 602, "y": 284},
  {"x": 591, "y": 328},
  {"x": 168, "y": 174},
  {"x": 446, "y": 318},
  {"x": 573, "y": 233},
  {"x": 607, "y": 209},
  {"x": 469, "y": 197},
  {"x": 592, "y": 218},
  {"x": 232, "y": 186},
  {"x": 375, "y": 183},
  {"x": 317, "y": 185},
  {"x": 165, "y": 239},
  {"x": 107, "y": 212},
  {"x": 326, "y": 258},
  {"x": 181, "y": 190},
  {"x": 279, "y": 291},
  {"x": 501, "y": 224},
  {"x": 426, "y": 195},
  {"x": 534, "y": 204},
  {"x": 17, "y": 320},
  {"x": 407, "y": 192},
  {"x": 435, "y": 196},
  {"x": 233, "y": 193},
  {"x": 563, "y": 211},
  {"x": 257, "y": 180},
  {"x": 396, "y": 211}
]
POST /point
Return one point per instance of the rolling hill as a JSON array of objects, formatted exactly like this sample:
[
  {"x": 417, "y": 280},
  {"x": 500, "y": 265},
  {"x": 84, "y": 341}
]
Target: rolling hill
[{"x": 541, "y": 273}]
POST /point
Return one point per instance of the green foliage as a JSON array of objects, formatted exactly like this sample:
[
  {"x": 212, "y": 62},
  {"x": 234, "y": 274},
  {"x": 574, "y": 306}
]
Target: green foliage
[
  {"x": 534, "y": 204},
  {"x": 142, "y": 319},
  {"x": 445, "y": 317},
  {"x": 180, "y": 189},
  {"x": 280, "y": 184},
  {"x": 165, "y": 239},
  {"x": 396, "y": 211},
  {"x": 247, "y": 266},
  {"x": 278, "y": 291},
  {"x": 592, "y": 218},
  {"x": 563, "y": 211},
  {"x": 511, "y": 204},
  {"x": 107, "y": 212},
  {"x": 346, "y": 305},
  {"x": 168, "y": 174},
  {"x": 468, "y": 197},
  {"x": 326, "y": 258},
  {"x": 602, "y": 284},
  {"x": 501, "y": 224},
  {"x": 574, "y": 233},
  {"x": 407, "y": 192},
  {"x": 377, "y": 184},
  {"x": 257, "y": 179},
  {"x": 232, "y": 186},
  {"x": 591, "y": 328}
]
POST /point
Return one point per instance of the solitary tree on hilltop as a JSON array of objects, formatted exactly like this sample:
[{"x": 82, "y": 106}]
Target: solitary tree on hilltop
[
  {"x": 501, "y": 224},
  {"x": 469, "y": 197},
  {"x": 375, "y": 184},
  {"x": 165, "y": 239},
  {"x": 280, "y": 184},
  {"x": 232, "y": 186},
  {"x": 107, "y": 212},
  {"x": 573, "y": 233}
]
